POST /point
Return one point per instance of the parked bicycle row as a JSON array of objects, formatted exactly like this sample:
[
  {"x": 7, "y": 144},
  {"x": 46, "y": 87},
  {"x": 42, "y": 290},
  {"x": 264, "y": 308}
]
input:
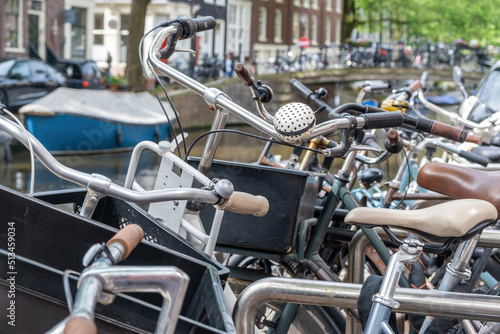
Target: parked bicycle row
[{"x": 280, "y": 245}]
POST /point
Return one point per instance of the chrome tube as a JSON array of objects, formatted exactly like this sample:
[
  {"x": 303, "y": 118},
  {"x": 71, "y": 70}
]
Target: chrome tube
[
  {"x": 345, "y": 295},
  {"x": 170, "y": 282},
  {"x": 213, "y": 141},
  {"x": 451, "y": 115},
  {"x": 136, "y": 154},
  {"x": 225, "y": 102},
  {"x": 151, "y": 196},
  {"x": 43, "y": 154}
]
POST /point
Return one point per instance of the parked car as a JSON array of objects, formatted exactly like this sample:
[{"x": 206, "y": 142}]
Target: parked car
[
  {"x": 82, "y": 73},
  {"x": 24, "y": 80}
]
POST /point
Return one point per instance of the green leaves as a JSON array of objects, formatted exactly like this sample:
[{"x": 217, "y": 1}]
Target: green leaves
[{"x": 439, "y": 21}]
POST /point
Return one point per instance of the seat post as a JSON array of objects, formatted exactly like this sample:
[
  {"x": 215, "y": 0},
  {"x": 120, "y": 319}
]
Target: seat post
[
  {"x": 383, "y": 301},
  {"x": 456, "y": 271}
]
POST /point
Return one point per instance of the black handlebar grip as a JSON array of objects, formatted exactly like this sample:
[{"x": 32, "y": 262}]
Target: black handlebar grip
[
  {"x": 383, "y": 120},
  {"x": 474, "y": 157},
  {"x": 419, "y": 123},
  {"x": 204, "y": 23},
  {"x": 303, "y": 90}
]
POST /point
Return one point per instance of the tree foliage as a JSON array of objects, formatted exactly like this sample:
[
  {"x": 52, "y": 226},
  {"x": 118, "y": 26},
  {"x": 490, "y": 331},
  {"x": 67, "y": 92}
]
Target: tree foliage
[{"x": 431, "y": 20}]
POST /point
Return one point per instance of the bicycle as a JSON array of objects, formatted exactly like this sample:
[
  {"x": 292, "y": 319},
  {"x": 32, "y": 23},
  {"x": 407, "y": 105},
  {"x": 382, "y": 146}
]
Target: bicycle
[{"x": 217, "y": 101}]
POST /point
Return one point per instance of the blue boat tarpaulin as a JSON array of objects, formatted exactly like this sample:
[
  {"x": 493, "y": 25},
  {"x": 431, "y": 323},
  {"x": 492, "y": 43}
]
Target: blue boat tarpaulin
[{"x": 121, "y": 107}]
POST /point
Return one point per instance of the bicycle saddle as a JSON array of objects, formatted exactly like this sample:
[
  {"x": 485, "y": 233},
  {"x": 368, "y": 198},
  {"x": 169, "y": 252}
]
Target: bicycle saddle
[
  {"x": 369, "y": 176},
  {"x": 456, "y": 220},
  {"x": 460, "y": 182}
]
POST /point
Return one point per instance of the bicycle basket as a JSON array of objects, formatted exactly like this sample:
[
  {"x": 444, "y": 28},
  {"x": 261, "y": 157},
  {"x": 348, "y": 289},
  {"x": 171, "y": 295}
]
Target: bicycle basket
[
  {"x": 50, "y": 240},
  {"x": 291, "y": 195}
]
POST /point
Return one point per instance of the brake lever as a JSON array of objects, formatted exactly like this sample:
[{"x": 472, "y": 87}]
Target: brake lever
[
  {"x": 191, "y": 51},
  {"x": 346, "y": 141}
]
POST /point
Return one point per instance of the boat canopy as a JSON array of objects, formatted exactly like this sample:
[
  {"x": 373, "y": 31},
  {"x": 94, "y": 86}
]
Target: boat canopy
[{"x": 121, "y": 107}]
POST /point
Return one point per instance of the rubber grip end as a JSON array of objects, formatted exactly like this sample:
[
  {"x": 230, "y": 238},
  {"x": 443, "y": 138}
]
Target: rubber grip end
[
  {"x": 80, "y": 325},
  {"x": 244, "y": 74},
  {"x": 472, "y": 138},
  {"x": 129, "y": 236},
  {"x": 415, "y": 85}
]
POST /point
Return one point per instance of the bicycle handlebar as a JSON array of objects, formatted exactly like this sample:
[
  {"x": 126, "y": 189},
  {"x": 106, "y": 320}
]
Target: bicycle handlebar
[
  {"x": 309, "y": 94},
  {"x": 216, "y": 98},
  {"x": 453, "y": 116},
  {"x": 120, "y": 246},
  {"x": 471, "y": 156},
  {"x": 107, "y": 187},
  {"x": 170, "y": 282}
]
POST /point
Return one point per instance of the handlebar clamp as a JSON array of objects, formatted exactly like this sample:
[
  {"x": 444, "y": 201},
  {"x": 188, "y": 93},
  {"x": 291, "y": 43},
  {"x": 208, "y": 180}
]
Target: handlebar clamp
[{"x": 347, "y": 139}]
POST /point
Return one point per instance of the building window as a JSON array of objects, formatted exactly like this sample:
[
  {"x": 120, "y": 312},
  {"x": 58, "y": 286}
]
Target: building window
[
  {"x": 124, "y": 21},
  {"x": 329, "y": 5},
  {"x": 78, "y": 34},
  {"x": 262, "y": 24},
  {"x": 278, "y": 19},
  {"x": 13, "y": 24},
  {"x": 98, "y": 21},
  {"x": 306, "y": 3},
  {"x": 231, "y": 14},
  {"x": 98, "y": 39},
  {"x": 337, "y": 32},
  {"x": 296, "y": 27},
  {"x": 338, "y": 6},
  {"x": 314, "y": 29},
  {"x": 296, "y": 3},
  {"x": 328, "y": 31},
  {"x": 305, "y": 23},
  {"x": 124, "y": 25},
  {"x": 315, "y": 4}
]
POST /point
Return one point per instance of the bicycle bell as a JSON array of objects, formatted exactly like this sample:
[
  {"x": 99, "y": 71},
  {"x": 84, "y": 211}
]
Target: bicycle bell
[{"x": 294, "y": 122}]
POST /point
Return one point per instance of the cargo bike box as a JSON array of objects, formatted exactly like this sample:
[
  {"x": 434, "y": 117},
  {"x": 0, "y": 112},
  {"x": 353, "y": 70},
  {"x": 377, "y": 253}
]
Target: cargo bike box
[
  {"x": 292, "y": 199},
  {"x": 50, "y": 240}
]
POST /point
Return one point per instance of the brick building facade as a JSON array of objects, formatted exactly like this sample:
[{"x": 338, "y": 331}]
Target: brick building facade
[{"x": 32, "y": 27}]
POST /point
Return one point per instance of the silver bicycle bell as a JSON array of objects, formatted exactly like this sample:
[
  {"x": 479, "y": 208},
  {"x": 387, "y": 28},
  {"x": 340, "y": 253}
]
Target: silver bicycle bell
[{"x": 294, "y": 122}]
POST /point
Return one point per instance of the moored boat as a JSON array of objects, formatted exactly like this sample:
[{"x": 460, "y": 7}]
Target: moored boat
[{"x": 69, "y": 121}]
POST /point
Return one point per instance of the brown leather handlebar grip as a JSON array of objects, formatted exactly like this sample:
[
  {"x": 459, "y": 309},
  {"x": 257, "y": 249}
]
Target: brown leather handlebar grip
[
  {"x": 475, "y": 139},
  {"x": 246, "y": 204},
  {"x": 129, "y": 236},
  {"x": 448, "y": 131},
  {"x": 415, "y": 85},
  {"x": 80, "y": 325},
  {"x": 244, "y": 74}
]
